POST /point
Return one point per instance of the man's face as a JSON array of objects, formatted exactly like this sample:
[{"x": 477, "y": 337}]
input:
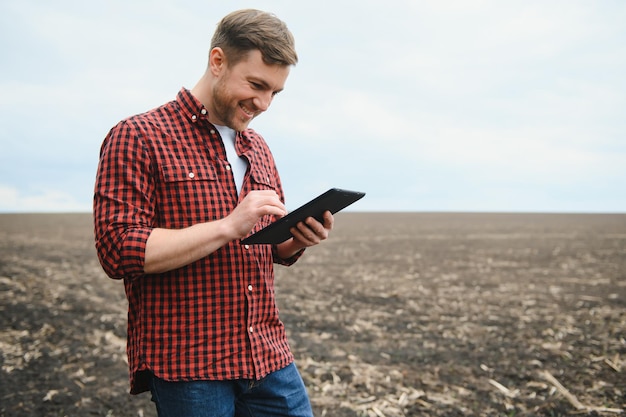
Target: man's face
[{"x": 245, "y": 90}]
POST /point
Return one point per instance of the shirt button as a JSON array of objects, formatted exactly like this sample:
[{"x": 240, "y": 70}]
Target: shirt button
[
  {"x": 251, "y": 329},
  {"x": 191, "y": 175},
  {"x": 194, "y": 117},
  {"x": 249, "y": 287},
  {"x": 203, "y": 111},
  {"x": 212, "y": 131},
  {"x": 227, "y": 167},
  {"x": 246, "y": 246}
]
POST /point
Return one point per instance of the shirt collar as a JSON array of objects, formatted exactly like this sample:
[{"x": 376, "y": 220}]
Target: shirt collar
[
  {"x": 191, "y": 106},
  {"x": 194, "y": 110}
]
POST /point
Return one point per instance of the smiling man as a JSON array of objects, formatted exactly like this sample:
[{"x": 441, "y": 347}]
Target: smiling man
[{"x": 176, "y": 189}]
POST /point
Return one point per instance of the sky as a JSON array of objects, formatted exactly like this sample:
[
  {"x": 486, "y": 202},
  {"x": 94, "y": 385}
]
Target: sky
[{"x": 465, "y": 106}]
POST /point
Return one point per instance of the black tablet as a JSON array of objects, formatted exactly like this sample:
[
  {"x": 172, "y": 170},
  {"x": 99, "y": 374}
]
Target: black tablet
[{"x": 334, "y": 200}]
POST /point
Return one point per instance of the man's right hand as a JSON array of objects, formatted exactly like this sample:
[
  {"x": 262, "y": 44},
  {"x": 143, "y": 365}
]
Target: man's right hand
[
  {"x": 255, "y": 205},
  {"x": 167, "y": 249}
]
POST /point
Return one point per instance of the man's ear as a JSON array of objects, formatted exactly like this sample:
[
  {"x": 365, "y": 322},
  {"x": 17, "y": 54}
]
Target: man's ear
[{"x": 217, "y": 60}]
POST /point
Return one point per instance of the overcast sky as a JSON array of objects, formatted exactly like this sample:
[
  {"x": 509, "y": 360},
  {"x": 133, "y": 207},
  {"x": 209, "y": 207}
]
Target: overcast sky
[{"x": 425, "y": 105}]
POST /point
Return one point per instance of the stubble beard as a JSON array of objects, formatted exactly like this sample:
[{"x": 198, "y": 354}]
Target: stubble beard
[{"x": 225, "y": 110}]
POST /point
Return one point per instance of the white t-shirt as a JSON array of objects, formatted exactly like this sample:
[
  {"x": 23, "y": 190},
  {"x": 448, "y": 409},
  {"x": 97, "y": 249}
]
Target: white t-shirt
[{"x": 238, "y": 164}]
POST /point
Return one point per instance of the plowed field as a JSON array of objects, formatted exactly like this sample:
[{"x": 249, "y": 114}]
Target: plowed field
[{"x": 414, "y": 314}]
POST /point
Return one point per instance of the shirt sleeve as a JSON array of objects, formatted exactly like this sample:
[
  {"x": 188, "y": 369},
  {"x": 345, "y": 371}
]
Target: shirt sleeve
[
  {"x": 287, "y": 262},
  {"x": 123, "y": 202}
]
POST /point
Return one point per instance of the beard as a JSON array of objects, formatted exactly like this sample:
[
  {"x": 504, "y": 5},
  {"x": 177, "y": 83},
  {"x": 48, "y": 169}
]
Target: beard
[{"x": 228, "y": 110}]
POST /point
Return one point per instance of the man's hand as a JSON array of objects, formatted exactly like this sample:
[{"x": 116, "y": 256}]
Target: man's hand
[
  {"x": 167, "y": 249},
  {"x": 255, "y": 205},
  {"x": 311, "y": 232},
  {"x": 307, "y": 233}
]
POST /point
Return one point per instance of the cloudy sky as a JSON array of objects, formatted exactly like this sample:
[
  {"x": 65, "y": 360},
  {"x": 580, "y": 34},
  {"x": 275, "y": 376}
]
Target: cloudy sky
[{"x": 427, "y": 106}]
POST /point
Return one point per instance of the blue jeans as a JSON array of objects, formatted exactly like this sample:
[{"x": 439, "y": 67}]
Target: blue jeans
[{"x": 281, "y": 393}]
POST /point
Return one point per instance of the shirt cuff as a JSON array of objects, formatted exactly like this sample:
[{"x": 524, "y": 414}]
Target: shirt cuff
[{"x": 288, "y": 261}]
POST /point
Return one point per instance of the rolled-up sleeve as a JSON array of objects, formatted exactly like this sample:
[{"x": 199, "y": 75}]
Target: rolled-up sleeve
[{"x": 123, "y": 206}]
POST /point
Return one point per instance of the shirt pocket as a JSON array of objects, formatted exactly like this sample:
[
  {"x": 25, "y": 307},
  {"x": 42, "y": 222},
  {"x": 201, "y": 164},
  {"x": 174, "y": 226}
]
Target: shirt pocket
[
  {"x": 188, "y": 195},
  {"x": 263, "y": 180},
  {"x": 185, "y": 173}
]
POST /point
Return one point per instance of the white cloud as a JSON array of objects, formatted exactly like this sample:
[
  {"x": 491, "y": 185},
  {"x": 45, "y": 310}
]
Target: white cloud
[{"x": 49, "y": 200}]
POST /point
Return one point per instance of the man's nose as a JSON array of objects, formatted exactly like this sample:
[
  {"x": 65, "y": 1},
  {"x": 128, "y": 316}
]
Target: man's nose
[{"x": 263, "y": 101}]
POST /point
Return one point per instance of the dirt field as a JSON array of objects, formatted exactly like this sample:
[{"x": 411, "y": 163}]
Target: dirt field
[{"x": 396, "y": 315}]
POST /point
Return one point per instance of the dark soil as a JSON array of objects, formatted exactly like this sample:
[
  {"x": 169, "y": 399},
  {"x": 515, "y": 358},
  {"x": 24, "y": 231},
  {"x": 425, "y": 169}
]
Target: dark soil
[{"x": 396, "y": 315}]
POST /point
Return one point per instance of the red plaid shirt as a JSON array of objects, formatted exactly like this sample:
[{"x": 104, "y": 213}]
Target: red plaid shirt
[{"x": 215, "y": 319}]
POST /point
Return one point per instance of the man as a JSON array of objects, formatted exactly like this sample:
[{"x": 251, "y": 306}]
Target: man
[{"x": 177, "y": 188}]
